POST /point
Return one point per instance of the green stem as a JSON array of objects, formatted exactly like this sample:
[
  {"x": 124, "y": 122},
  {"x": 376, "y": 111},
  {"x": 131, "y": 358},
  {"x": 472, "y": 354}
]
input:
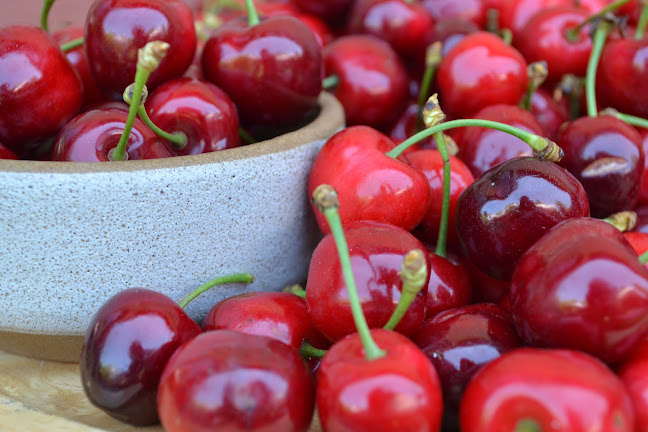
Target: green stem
[
  {"x": 624, "y": 221},
  {"x": 44, "y": 19},
  {"x": 295, "y": 289},
  {"x": 527, "y": 425},
  {"x": 413, "y": 274},
  {"x": 326, "y": 200},
  {"x": 432, "y": 62},
  {"x": 537, "y": 73},
  {"x": 309, "y": 351},
  {"x": 148, "y": 59},
  {"x": 178, "y": 139},
  {"x": 572, "y": 33},
  {"x": 627, "y": 118},
  {"x": 643, "y": 21},
  {"x": 598, "y": 40},
  {"x": 330, "y": 82},
  {"x": 74, "y": 43},
  {"x": 234, "y": 278},
  {"x": 507, "y": 36},
  {"x": 643, "y": 258},
  {"x": 445, "y": 204},
  {"x": 253, "y": 16}
]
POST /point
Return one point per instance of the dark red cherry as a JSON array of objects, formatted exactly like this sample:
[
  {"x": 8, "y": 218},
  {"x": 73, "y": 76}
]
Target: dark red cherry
[
  {"x": 550, "y": 113},
  {"x": 449, "y": 285},
  {"x": 39, "y": 89},
  {"x": 126, "y": 347},
  {"x": 643, "y": 184},
  {"x": 510, "y": 207},
  {"x": 460, "y": 341},
  {"x": 333, "y": 12},
  {"x": 481, "y": 70},
  {"x": 581, "y": 286},
  {"x": 5, "y": 153},
  {"x": 486, "y": 289},
  {"x": 606, "y": 156},
  {"x": 116, "y": 29},
  {"x": 204, "y": 113},
  {"x": 91, "y": 136}
]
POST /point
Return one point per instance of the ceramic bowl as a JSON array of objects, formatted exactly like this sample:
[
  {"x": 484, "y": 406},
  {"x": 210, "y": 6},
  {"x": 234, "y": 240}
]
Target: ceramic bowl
[{"x": 74, "y": 234}]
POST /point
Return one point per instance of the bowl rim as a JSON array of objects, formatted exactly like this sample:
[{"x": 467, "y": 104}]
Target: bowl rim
[{"x": 328, "y": 121}]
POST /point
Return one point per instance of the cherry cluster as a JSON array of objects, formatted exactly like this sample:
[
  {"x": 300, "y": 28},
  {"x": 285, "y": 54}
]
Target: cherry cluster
[{"x": 484, "y": 214}]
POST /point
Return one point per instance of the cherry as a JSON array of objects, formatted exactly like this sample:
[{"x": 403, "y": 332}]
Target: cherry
[
  {"x": 5, "y": 153},
  {"x": 226, "y": 380},
  {"x": 550, "y": 113},
  {"x": 39, "y": 89},
  {"x": 371, "y": 79},
  {"x": 333, "y": 12},
  {"x": 638, "y": 240},
  {"x": 481, "y": 70},
  {"x": 514, "y": 15},
  {"x": 272, "y": 68},
  {"x": 510, "y": 207},
  {"x": 582, "y": 287},
  {"x": 531, "y": 389},
  {"x": 203, "y": 113},
  {"x": 460, "y": 341},
  {"x": 469, "y": 10},
  {"x": 634, "y": 374},
  {"x": 116, "y": 29},
  {"x": 449, "y": 286}
]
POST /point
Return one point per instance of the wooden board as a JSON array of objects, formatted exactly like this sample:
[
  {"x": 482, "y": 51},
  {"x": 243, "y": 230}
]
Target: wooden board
[{"x": 40, "y": 396}]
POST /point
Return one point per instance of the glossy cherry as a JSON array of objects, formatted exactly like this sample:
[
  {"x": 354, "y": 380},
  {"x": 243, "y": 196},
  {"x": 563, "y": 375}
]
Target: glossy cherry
[
  {"x": 126, "y": 347},
  {"x": 510, "y": 207},
  {"x": 481, "y": 70},
  {"x": 116, "y": 29},
  {"x": 634, "y": 374},
  {"x": 199, "y": 110},
  {"x": 39, "y": 89},
  {"x": 226, "y": 380},
  {"x": 514, "y": 14},
  {"x": 606, "y": 156},
  {"x": 529, "y": 389},
  {"x": 372, "y": 80},
  {"x": 460, "y": 341},
  {"x": 400, "y": 389},
  {"x": 449, "y": 286},
  {"x": 371, "y": 185},
  {"x": 377, "y": 251},
  {"x": 581, "y": 286}
]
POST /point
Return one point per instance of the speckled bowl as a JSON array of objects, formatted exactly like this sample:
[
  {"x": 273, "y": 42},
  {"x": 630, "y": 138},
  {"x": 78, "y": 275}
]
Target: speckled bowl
[{"x": 74, "y": 234}]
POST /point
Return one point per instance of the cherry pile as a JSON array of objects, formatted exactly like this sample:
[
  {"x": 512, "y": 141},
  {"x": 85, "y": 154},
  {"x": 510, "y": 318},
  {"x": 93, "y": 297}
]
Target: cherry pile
[{"x": 484, "y": 214}]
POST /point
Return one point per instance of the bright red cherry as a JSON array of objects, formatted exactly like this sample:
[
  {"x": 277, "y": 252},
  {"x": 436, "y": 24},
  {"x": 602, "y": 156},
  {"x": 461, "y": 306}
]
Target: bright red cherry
[
  {"x": 481, "y": 70},
  {"x": 514, "y": 14},
  {"x": 116, "y": 29},
  {"x": 39, "y": 89}
]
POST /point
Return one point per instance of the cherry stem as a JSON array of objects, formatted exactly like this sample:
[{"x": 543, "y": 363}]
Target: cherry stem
[
  {"x": 623, "y": 221},
  {"x": 643, "y": 258},
  {"x": 572, "y": 33},
  {"x": 598, "y": 40},
  {"x": 148, "y": 59},
  {"x": 537, "y": 73},
  {"x": 507, "y": 36},
  {"x": 527, "y": 425},
  {"x": 298, "y": 290},
  {"x": 432, "y": 61},
  {"x": 74, "y": 43},
  {"x": 643, "y": 21},
  {"x": 234, "y": 278},
  {"x": 542, "y": 147},
  {"x": 330, "y": 82},
  {"x": 629, "y": 119},
  {"x": 571, "y": 86},
  {"x": 253, "y": 16},
  {"x": 493, "y": 20},
  {"x": 44, "y": 18},
  {"x": 309, "y": 351},
  {"x": 413, "y": 274},
  {"x": 325, "y": 198}
]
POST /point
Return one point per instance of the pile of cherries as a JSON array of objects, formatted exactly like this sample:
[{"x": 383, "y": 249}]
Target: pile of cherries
[{"x": 484, "y": 214}]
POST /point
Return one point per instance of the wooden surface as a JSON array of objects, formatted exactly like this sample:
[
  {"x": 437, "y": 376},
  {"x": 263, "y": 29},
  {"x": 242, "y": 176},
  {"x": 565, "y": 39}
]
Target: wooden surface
[{"x": 39, "y": 396}]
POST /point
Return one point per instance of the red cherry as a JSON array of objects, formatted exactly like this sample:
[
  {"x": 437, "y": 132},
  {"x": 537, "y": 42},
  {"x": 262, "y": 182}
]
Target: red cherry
[
  {"x": 377, "y": 251},
  {"x": 116, "y": 29},
  {"x": 550, "y": 113},
  {"x": 643, "y": 183},
  {"x": 5, "y": 153},
  {"x": 39, "y": 89},
  {"x": 201, "y": 111},
  {"x": 127, "y": 345},
  {"x": 510, "y": 207},
  {"x": 371, "y": 185},
  {"x": 400, "y": 389},
  {"x": 537, "y": 389},
  {"x": 225, "y": 380},
  {"x": 514, "y": 14},
  {"x": 582, "y": 287},
  {"x": 460, "y": 341},
  {"x": 332, "y": 11},
  {"x": 638, "y": 240},
  {"x": 469, "y": 10},
  {"x": 634, "y": 374},
  {"x": 481, "y": 70},
  {"x": 449, "y": 286}
]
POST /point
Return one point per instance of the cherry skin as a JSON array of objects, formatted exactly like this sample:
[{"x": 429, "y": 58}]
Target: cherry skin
[
  {"x": 370, "y": 185},
  {"x": 481, "y": 70},
  {"x": 606, "y": 156},
  {"x": 226, "y": 380},
  {"x": 373, "y": 81},
  {"x": 514, "y": 15},
  {"x": 581, "y": 286},
  {"x": 5, "y": 153},
  {"x": 279, "y": 315},
  {"x": 510, "y": 207},
  {"x": 469, "y": 10},
  {"x": 634, "y": 374},
  {"x": 91, "y": 136},
  {"x": 550, "y": 113},
  {"x": 449, "y": 285},
  {"x": 643, "y": 184},
  {"x": 377, "y": 251},
  {"x": 460, "y": 341},
  {"x": 356, "y": 394},
  {"x": 486, "y": 289},
  {"x": 204, "y": 113},
  {"x": 272, "y": 70},
  {"x": 334, "y": 12},
  {"x": 39, "y": 89},
  {"x": 126, "y": 347},
  {"x": 116, "y": 29},
  {"x": 539, "y": 389},
  {"x": 638, "y": 240}
]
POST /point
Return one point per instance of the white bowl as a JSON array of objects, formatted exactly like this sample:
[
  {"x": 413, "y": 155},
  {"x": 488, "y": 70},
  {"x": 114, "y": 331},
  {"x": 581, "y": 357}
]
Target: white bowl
[{"x": 74, "y": 234}]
